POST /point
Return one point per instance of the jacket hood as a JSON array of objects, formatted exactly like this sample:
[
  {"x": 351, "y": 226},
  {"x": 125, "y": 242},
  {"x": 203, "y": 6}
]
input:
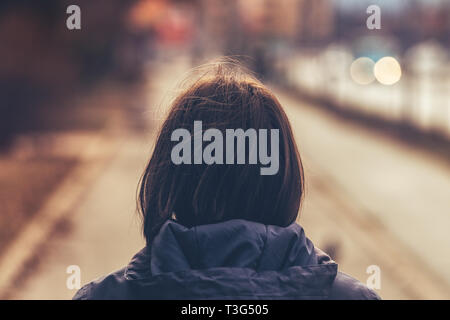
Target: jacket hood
[{"x": 234, "y": 258}]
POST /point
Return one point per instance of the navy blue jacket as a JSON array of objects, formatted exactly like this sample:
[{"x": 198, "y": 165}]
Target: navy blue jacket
[{"x": 236, "y": 259}]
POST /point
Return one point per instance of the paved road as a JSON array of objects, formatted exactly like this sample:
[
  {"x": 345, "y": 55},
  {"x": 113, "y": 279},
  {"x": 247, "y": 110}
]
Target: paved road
[
  {"x": 390, "y": 202},
  {"x": 370, "y": 201}
]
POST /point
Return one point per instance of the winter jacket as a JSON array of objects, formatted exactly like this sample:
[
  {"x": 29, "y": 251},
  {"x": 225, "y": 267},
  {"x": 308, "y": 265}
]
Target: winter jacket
[{"x": 236, "y": 259}]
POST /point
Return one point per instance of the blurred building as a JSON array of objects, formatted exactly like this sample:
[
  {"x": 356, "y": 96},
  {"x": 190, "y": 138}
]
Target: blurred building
[
  {"x": 43, "y": 64},
  {"x": 290, "y": 19},
  {"x": 316, "y": 21}
]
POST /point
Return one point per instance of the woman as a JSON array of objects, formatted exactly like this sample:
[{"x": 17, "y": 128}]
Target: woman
[{"x": 216, "y": 224}]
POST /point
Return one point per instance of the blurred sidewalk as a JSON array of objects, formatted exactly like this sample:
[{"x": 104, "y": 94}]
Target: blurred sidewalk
[
  {"x": 101, "y": 234},
  {"x": 103, "y": 231},
  {"x": 351, "y": 209}
]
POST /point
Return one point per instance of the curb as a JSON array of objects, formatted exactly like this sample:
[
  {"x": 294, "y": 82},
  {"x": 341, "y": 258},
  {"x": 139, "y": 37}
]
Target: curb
[{"x": 58, "y": 205}]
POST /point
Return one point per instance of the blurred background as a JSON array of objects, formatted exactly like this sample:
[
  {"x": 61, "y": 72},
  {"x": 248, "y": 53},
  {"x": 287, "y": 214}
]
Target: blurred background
[{"x": 370, "y": 110}]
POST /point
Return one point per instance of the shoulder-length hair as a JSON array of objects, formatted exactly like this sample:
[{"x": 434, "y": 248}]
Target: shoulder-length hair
[{"x": 226, "y": 96}]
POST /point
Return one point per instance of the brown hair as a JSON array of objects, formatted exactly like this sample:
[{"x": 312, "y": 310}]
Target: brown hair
[{"x": 226, "y": 96}]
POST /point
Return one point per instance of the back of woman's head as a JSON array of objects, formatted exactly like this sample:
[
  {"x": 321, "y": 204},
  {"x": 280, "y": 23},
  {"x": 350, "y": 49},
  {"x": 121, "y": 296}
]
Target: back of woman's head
[{"x": 194, "y": 192}]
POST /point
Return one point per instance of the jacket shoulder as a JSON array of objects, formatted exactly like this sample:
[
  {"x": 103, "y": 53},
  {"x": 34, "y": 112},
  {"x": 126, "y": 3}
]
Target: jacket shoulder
[
  {"x": 107, "y": 287},
  {"x": 346, "y": 287}
]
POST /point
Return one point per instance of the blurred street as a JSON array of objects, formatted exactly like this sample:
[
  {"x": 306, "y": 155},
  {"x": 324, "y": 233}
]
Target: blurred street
[{"x": 368, "y": 197}]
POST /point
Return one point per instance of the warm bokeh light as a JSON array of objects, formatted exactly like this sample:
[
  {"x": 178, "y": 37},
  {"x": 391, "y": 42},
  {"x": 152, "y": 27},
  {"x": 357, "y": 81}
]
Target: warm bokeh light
[
  {"x": 147, "y": 13},
  {"x": 388, "y": 71},
  {"x": 361, "y": 70}
]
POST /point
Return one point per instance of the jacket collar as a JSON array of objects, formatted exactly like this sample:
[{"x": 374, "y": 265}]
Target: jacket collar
[{"x": 231, "y": 244}]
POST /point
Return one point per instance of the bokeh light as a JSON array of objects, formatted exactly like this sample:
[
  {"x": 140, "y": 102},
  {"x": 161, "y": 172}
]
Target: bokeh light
[
  {"x": 387, "y": 70},
  {"x": 361, "y": 71}
]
